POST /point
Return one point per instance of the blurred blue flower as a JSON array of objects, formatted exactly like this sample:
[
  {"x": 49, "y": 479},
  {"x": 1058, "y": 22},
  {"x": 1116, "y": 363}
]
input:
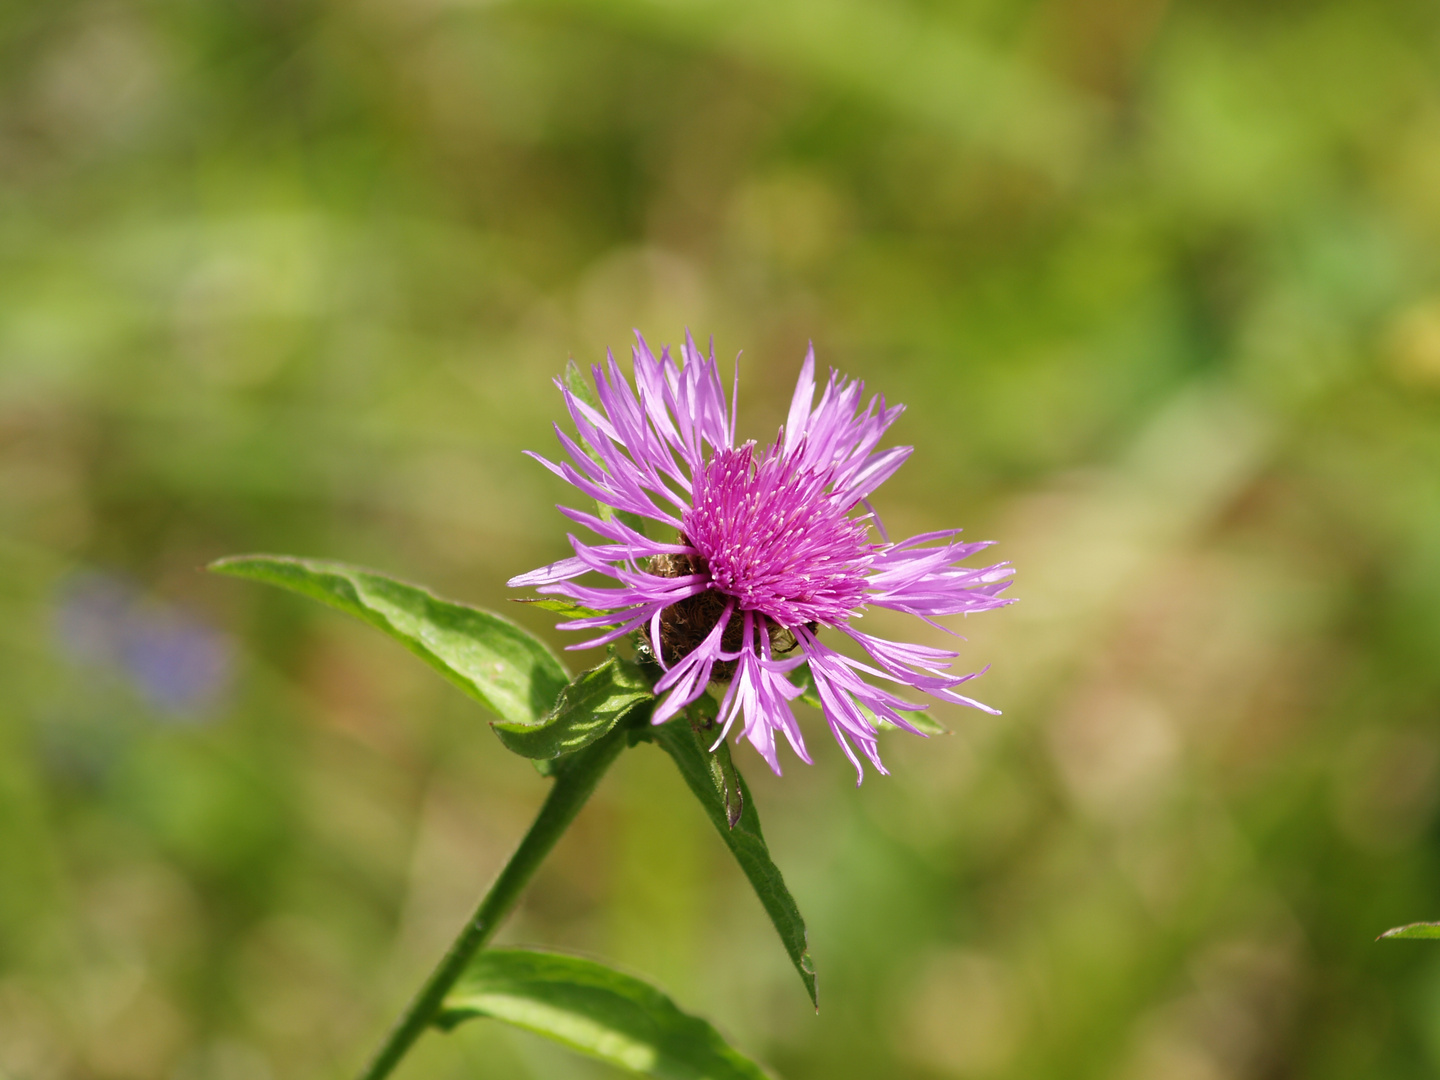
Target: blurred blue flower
[{"x": 177, "y": 663}]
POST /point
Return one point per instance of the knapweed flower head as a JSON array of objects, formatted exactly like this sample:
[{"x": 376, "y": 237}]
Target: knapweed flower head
[{"x": 758, "y": 551}]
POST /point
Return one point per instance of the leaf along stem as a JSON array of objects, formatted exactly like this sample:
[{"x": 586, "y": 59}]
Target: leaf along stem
[{"x": 575, "y": 780}]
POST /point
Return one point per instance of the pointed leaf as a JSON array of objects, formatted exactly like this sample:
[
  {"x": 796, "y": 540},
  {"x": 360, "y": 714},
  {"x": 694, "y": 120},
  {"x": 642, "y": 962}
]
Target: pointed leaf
[
  {"x": 580, "y": 386},
  {"x": 596, "y": 1010},
  {"x": 920, "y": 718},
  {"x": 717, "y": 783},
  {"x": 727, "y": 781},
  {"x": 634, "y": 521},
  {"x": 560, "y": 605},
  {"x": 494, "y": 661},
  {"x": 586, "y": 709},
  {"x": 922, "y": 721},
  {"x": 1415, "y": 930},
  {"x": 802, "y": 678}
]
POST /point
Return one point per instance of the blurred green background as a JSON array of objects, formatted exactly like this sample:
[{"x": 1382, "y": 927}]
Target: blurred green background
[{"x": 1158, "y": 281}]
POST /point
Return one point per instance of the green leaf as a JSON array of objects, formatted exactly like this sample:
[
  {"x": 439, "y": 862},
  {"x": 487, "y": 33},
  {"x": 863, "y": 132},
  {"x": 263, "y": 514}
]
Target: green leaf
[
  {"x": 586, "y": 709},
  {"x": 717, "y": 783},
  {"x": 634, "y": 521},
  {"x": 923, "y": 721},
  {"x": 494, "y": 661},
  {"x": 1414, "y": 930},
  {"x": 560, "y": 605},
  {"x": 596, "y": 1010},
  {"x": 580, "y": 386},
  {"x": 921, "y": 718},
  {"x": 727, "y": 781},
  {"x": 802, "y": 678}
]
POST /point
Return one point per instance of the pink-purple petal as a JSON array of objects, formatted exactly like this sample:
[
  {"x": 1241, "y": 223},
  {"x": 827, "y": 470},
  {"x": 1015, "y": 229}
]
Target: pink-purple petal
[{"x": 778, "y": 532}]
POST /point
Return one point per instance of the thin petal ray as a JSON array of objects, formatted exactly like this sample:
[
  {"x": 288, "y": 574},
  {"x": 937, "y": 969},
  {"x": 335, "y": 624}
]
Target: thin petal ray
[{"x": 755, "y": 546}]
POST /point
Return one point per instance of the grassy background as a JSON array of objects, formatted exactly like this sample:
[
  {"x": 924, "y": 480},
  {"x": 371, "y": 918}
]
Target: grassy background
[{"x": 1158, "y": 281}]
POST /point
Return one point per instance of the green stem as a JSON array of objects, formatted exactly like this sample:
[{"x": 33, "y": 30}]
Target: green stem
[{"x": 575, "y": 778}]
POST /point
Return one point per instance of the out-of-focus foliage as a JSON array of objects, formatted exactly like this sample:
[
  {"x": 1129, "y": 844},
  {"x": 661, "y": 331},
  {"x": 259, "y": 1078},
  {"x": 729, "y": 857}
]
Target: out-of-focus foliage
[{"x": 1159, "y": 284}]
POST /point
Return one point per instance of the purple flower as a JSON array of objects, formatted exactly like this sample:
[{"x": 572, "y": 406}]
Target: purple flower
[{"x": 764, "y": 549}]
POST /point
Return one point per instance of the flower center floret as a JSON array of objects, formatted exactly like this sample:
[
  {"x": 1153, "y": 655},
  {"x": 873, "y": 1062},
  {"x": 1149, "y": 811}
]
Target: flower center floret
[
  {"x": 775, "y": 543},
  {"x": 684, "y": 625},
  {"x": 775, "y": 540}
]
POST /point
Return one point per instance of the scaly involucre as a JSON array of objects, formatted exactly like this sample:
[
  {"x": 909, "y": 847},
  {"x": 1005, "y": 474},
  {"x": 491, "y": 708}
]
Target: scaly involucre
[{"x": 764, "y": 549}]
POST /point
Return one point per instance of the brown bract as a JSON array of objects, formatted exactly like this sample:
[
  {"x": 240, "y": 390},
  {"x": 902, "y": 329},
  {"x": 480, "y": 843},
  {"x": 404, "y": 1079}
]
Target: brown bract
[{"x": 684, "y": 625}]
